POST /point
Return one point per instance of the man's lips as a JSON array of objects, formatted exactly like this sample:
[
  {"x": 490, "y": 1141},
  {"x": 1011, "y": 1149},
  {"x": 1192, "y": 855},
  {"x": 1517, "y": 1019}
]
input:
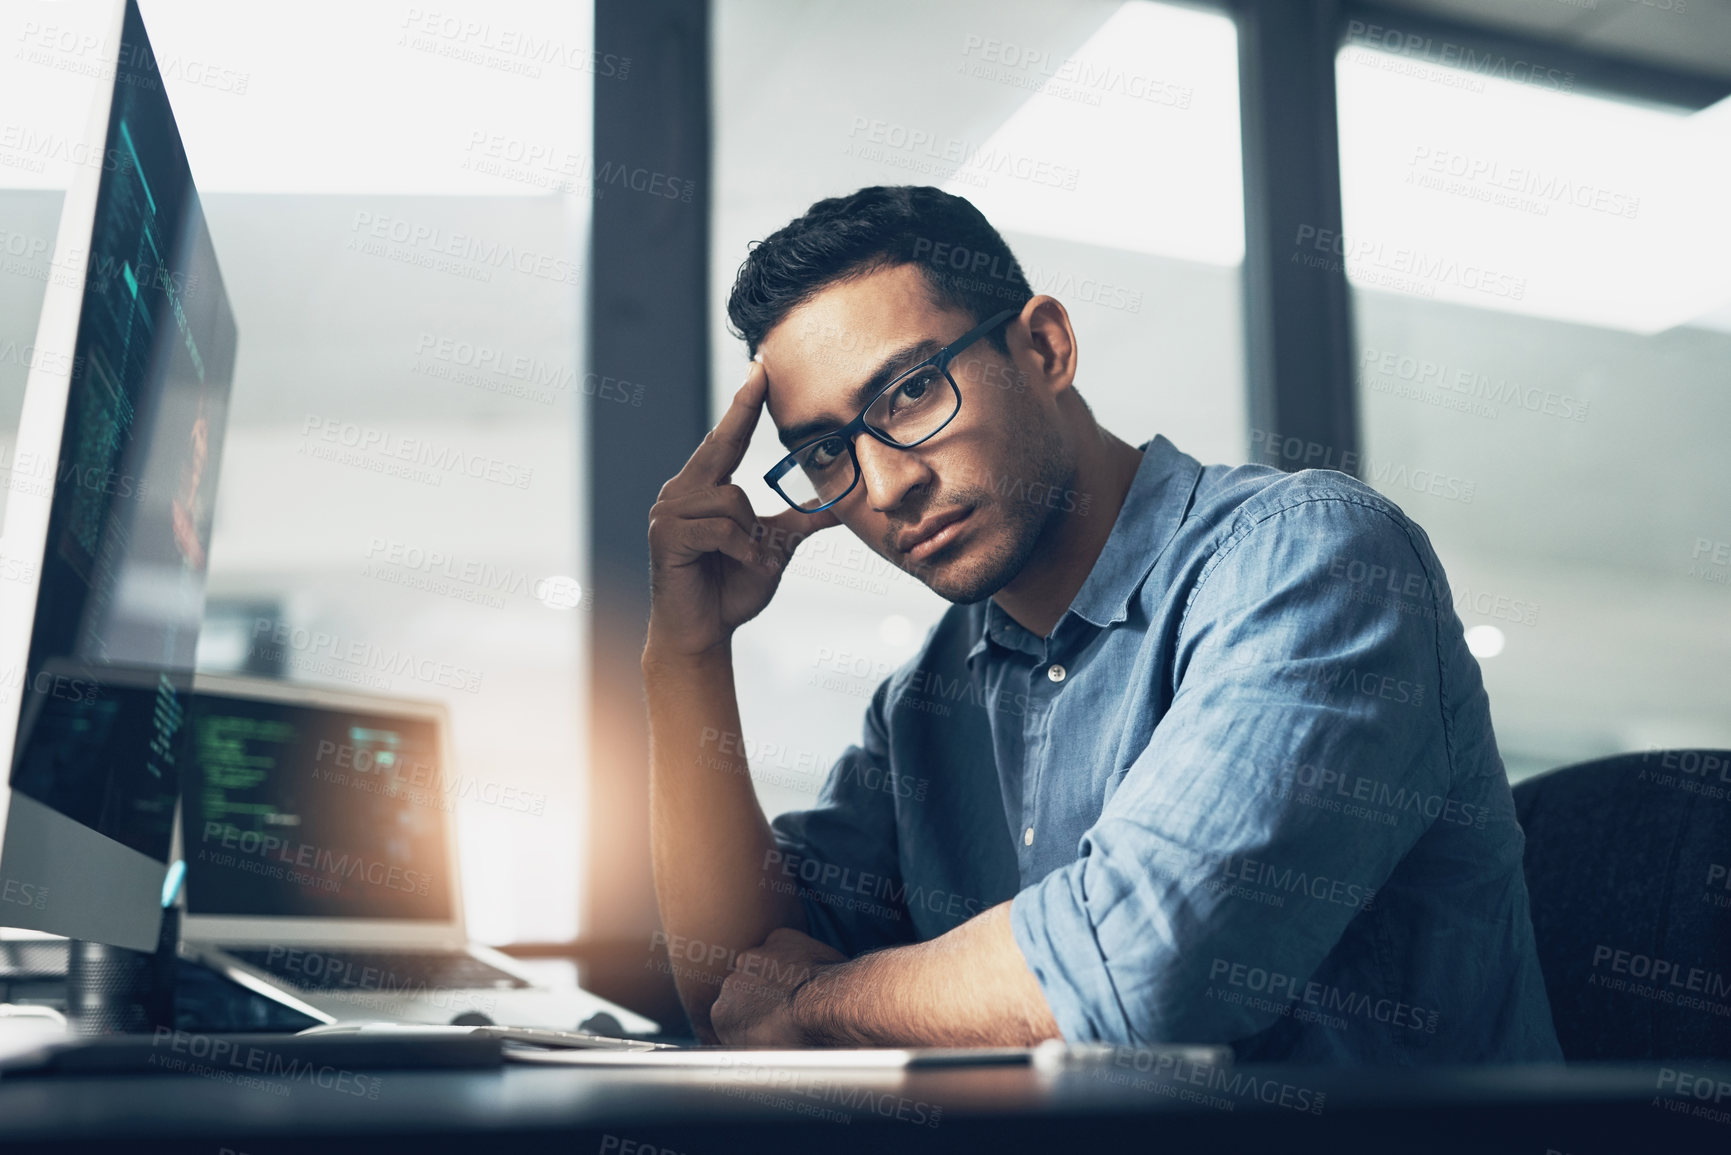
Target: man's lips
[{"x": 932, "y": 534}]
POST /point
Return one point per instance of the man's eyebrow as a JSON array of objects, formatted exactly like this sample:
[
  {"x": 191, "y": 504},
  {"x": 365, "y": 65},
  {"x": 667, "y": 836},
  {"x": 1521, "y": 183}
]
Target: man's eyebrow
[{"x": 888, "y": 369}]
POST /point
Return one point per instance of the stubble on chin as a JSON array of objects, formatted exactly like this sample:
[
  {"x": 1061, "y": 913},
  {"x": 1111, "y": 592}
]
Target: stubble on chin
[
  {"x": 989, "y": 566},
  {"x": 1020, "y": 526},
  {"x": 1024, "y": 524}
]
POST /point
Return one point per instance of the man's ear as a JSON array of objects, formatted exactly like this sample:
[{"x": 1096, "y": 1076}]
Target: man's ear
[{"x": 1043, "y": 339}]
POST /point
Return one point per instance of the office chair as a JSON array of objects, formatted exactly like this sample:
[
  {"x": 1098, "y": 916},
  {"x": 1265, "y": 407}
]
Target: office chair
[{"x": 1626, "y": 864}]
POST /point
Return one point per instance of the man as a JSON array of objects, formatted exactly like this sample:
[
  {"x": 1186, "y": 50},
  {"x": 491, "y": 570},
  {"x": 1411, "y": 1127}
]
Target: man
[{"x": 1199, "y": 755}]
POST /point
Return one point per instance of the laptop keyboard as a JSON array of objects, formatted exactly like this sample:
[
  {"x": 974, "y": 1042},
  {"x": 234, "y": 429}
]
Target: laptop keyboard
[{"x": 389, "y": 971}]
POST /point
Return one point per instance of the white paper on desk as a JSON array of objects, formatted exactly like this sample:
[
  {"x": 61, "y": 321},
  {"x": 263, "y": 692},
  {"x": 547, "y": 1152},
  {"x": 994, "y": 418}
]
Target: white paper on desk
[
  {"x": 816, "y": 1059},
  {"x": 26, "y": 1042}
]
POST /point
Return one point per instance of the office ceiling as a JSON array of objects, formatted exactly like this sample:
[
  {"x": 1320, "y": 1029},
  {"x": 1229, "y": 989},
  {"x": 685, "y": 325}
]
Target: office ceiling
[{"x": 1689, "y": 35}]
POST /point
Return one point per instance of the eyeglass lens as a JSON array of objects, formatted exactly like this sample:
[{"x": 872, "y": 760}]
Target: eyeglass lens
[{"x": 912, "y": 410}]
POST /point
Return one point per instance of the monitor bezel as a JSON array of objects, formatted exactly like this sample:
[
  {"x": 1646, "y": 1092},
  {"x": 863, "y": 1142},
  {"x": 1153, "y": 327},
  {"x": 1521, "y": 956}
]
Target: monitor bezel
[{"x": 115, "y": 890}]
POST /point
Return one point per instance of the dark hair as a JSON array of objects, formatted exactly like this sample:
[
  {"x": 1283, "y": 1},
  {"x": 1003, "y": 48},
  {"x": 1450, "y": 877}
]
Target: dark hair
[{"x": 966, "y": 263}]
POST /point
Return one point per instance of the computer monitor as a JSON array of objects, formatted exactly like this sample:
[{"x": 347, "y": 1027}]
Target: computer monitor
[
  {"x": 105, "y": 521},
  {"x": 321, "y": 813}
]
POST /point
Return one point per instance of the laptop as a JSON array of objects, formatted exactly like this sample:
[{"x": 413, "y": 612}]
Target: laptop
[{"x": 319, "y": 832}]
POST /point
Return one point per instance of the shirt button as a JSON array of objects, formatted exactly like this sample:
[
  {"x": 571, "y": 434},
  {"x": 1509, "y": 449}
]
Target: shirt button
[
  {"x": 1028, "y": 837},
  {"x": 1055, "y": 672}
]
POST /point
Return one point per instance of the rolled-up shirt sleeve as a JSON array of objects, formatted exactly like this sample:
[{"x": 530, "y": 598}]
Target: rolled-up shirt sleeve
[
  {"x": 841, "y": 855},
  {"x": 1204, "y": 857}
]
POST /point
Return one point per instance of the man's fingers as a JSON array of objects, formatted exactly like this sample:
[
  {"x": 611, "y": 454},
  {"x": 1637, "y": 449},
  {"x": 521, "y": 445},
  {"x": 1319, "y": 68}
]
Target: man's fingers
[
  {"x": 714, "y": 501},
  {"x": 720, "y": 453},
  {"x": 783, "y": 532},
  {"x": 777, "y": 535},
  {"x": 691, "y": 538}
]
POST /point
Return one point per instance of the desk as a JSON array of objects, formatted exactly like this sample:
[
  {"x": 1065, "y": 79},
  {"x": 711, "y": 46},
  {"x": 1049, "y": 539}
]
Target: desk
[{"x": 1579, "y": 1111}]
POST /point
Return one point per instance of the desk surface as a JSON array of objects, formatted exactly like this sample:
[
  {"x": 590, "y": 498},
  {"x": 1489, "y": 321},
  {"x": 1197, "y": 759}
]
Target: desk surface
[{"x": 1261, "y": 1109}]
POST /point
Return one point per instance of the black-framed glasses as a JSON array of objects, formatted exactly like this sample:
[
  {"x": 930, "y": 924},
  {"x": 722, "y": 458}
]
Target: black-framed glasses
[{"x": 910, "y": 409}]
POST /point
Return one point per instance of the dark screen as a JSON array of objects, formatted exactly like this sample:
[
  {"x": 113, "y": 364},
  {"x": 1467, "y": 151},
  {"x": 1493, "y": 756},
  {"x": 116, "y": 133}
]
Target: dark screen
[
  {"x": 105, "y": 687},
  {"x": 314, "y": 812}
]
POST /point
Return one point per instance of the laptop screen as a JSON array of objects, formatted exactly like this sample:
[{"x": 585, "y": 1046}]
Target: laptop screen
[{"x": 311, "y": 811}]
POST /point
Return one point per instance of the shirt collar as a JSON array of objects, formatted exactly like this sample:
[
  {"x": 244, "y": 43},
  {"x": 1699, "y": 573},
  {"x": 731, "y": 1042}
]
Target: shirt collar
[{"x": 1153, "y": 508}]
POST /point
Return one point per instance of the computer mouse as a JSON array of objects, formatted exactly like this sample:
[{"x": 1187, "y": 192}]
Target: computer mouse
[
  {"x": 345, "y": 1027},
  {"x": 601, "y": 1023},
  {"x": 375, "y": 1027},
  {"x": 471, "y": 1019}
]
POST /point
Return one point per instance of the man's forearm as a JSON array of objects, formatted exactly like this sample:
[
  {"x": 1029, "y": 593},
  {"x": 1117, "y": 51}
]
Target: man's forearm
[
  {"x": 970, "y": 987},
  {"x": 708, "y": 835}
]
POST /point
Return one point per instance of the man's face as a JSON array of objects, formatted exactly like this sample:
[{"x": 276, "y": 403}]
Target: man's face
[{"x": 952, "y": 510}]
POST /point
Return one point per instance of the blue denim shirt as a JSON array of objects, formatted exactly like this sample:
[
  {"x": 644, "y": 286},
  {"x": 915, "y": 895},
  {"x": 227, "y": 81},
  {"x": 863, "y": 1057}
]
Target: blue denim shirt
[{"x": 1245, "y": 792}]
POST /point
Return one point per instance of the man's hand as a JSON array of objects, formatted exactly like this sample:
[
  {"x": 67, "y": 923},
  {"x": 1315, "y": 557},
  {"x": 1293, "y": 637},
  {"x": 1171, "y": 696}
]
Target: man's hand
[
  {"x": 755, "y": 1007},
  {"x": 969, "y": 987},
  {"x": 713, "y": 563}
]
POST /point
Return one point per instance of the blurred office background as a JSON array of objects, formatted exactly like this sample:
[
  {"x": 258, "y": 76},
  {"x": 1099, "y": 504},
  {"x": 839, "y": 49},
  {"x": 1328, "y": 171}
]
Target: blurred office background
[
  {"x": 423, "y": 239},
  {"x": 396, "y": 288}
]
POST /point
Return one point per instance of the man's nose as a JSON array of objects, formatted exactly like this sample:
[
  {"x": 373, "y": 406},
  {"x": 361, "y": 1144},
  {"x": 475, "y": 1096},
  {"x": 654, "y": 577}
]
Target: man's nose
[{"x": 887, "y": 474}]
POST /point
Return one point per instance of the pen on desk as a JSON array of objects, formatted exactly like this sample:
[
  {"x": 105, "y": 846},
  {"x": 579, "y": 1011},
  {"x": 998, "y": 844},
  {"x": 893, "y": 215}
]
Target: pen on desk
[{"x": 1055, "y": 1055}]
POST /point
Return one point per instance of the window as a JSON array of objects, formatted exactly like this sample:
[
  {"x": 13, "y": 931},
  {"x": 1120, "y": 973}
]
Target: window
[
  {"x": 1540, "y": 295},
  {"x": 1026, "y": 112},
  {"x": 400, "y": 212}
]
